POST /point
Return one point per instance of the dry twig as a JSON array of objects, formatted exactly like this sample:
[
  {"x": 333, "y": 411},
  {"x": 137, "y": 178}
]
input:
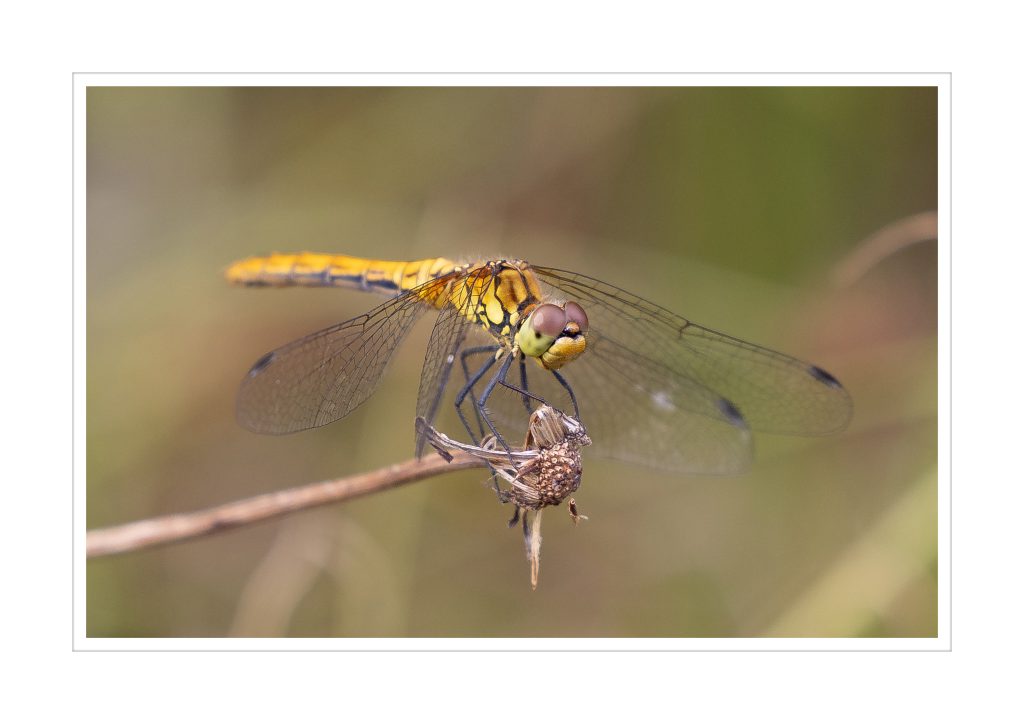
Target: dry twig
[
  {"x": 184, "y": 526},
  {"x": 883, "y": 243}
]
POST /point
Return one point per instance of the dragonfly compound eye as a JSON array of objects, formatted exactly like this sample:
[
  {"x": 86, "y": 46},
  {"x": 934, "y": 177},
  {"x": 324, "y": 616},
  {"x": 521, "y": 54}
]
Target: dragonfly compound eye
[
  {"x": 541, "y": 329},
  {"x": 548, "y": 320},
  {"x": 574, "y": 313}
]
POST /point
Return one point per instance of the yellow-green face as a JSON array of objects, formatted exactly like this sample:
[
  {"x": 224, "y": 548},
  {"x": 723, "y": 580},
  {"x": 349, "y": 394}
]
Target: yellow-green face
[{"x": 554, "y": 335}]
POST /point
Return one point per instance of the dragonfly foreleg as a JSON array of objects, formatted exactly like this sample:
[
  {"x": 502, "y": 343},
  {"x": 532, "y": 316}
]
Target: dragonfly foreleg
[
  {"x": 572, "y": 395},
  {"x": 525, "y": 386},
  {"x": 526, "y": 393}
]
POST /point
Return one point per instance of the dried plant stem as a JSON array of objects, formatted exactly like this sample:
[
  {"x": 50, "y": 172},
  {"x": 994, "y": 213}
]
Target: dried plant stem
[
  {"x": 883, "y": 243},
  {"x": 184, "y": 526}
]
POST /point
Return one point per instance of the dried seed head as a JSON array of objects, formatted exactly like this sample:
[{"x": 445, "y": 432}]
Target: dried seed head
[
  {"x": 547, "y": 469},
  {"x": 549, "y": 479}
]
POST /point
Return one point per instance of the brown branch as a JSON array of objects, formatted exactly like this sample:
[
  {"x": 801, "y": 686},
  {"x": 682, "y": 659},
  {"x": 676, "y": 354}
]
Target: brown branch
[{"x": 184, "y": 526}]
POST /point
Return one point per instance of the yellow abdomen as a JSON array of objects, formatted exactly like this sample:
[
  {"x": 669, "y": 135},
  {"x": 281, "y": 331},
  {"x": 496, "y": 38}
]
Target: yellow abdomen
[
  {"x": 491, "y": 294},
  {"x": 336, "y": 270}
]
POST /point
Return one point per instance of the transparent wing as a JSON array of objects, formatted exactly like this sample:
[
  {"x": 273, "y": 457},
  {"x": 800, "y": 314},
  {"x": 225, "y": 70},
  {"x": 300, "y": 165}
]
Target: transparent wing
[
  {"x": 323, "y": 377},
  {"x": 446, "y": 340},
  {"x": 772, "y": 391},
  {"x": 655, "y": 389},
  {"x": 632, "y": 409}
]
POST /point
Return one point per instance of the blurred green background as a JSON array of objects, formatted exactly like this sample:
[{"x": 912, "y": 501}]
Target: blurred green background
[{"x": 744, "y": 209}]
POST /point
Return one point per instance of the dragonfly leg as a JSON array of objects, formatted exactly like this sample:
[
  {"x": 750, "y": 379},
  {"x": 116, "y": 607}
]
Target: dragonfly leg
[
  {"x": 472, "y": 380},
  {"x": 481, "y": 404},
  {"x": 525, "y": 385},
  {"x": 467, "y": 391},
  {"x": 515, "y": 518},
  {"x": 504, "y": 496},
  {"x": 572, "y": 395},
  {"x": 525, "y": 393}
]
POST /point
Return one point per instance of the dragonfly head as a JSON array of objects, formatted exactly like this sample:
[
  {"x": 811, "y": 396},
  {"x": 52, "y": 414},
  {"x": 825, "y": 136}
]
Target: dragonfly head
[{"x": 553, "y": 334}]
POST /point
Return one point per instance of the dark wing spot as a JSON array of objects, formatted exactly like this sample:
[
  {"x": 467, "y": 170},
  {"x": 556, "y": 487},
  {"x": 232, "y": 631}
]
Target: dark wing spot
[
  {"x": 261, "y": 364},
  {"x": 823, "y": 376},
  {"x": 731, "y": 412}
]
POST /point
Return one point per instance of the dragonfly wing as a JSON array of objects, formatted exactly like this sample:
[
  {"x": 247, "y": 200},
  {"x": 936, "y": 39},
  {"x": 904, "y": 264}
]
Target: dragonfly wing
[
  {"x": 634, "y": 411},
  {"x": 446, "y": 340},
  {"x": 772, "y": 391},
  {"x": 630, "y": 408},
  {"x": 323, "y": 377}
]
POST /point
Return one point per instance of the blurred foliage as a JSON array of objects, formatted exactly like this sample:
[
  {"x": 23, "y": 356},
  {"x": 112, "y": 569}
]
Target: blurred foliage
[{"x": 732, "y": 206}]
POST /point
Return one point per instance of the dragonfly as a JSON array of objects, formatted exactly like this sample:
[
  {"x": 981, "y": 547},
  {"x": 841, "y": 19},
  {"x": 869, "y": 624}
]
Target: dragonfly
[{"x": 652, "y": 387}]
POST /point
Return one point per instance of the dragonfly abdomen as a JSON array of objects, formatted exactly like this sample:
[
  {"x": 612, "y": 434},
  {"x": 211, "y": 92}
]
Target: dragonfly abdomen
[{"x": 309, "y": 269}]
